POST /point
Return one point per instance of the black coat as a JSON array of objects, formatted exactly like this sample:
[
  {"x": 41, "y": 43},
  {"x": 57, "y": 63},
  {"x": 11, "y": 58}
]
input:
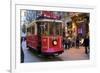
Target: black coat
[
  {"x": 22, "y": 53},
  {"x": 86, "y": 42}
]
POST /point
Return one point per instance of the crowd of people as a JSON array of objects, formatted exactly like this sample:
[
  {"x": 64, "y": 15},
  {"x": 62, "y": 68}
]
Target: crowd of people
[{"x": 69, "y": 42}]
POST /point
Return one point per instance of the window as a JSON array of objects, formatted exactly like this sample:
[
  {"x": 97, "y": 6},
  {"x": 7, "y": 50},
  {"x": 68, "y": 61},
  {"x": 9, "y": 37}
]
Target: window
[
  {"x": 33, "y": 29},
  {"x": 28, "y": 30},
  {"x": 55, "y": 28}
]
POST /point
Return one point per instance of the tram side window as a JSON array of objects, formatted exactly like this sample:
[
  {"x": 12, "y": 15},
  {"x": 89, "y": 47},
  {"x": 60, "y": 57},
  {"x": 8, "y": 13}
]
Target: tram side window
[
  {"x": 44, "y": 28},
  {"x": 33, "y": 30},
  {"x": 60, "y": 28},
  {"x": 29, "y": 31}
]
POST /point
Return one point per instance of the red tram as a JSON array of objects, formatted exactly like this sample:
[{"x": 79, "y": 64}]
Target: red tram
[{"x": 45, "y": 36}]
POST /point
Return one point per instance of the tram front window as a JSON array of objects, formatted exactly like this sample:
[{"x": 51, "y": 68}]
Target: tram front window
[{"x": 55, "y": 28}]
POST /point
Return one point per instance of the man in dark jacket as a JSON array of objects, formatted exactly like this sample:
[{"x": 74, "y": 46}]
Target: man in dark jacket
[
  {"x": 77, "y": 42},
  {"x": 22, "y": 53},
  {"x": 86, "y": 44}
]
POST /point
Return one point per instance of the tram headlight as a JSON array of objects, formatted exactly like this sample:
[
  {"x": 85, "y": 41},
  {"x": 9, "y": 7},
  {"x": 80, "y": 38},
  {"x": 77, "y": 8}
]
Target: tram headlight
[{"x": 55, "y": 42}]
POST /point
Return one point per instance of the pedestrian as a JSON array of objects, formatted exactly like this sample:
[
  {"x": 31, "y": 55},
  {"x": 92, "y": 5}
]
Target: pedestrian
[
  {"x": 86, "y": 44},
  {"x": 65, "y": 43},
  {"x": 77, "y": 42},
  {"x": 68, "y": 43},
  {"x": 22, "y": 56},
  {"x": 22, "y": 53}
]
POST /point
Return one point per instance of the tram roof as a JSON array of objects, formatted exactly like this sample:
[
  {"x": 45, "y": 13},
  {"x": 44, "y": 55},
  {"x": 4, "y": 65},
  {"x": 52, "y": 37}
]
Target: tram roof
[
  {"x": 43, "y": 20},
  {"x": 32, "y": 23},
  {"x": 48, "y": 20}
]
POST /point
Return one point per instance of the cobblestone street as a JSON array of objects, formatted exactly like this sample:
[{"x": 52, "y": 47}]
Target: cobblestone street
[{"x": 67, "y": 55}]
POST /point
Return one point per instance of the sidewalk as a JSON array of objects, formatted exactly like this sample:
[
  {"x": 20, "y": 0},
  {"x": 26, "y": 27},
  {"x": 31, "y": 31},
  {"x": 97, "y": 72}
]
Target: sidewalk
[{"x": 74, "y": 54}]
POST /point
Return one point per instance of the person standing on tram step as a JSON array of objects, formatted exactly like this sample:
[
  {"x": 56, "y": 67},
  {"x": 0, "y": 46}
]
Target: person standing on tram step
[{"x": 86, "y": 44}]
